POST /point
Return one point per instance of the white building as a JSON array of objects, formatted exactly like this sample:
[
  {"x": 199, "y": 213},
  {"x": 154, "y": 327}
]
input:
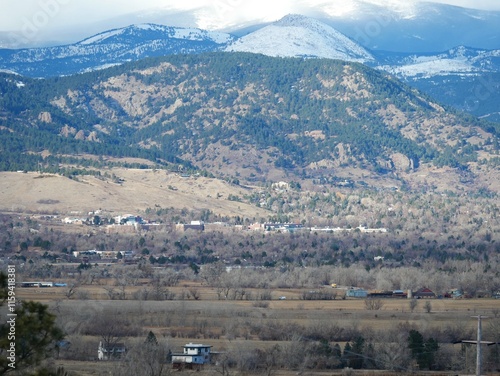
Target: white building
[
  {"x": 193, "y": 354},
  {"x": 112, "y": 351}
]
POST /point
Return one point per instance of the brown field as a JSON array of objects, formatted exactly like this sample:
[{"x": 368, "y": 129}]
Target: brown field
[
  {"x": 293, "y": 309},
  {"x": 226, "y": 324},
  {"x": 140, "y": 189},
  {"x": 104, "y": 368}
]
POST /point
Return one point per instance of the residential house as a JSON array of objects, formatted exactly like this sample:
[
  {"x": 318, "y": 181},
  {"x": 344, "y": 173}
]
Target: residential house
[
  {"x": 424, "y": 293},
  {"x": 192, "y": 355},
  {"x": 111, "y": 351}
]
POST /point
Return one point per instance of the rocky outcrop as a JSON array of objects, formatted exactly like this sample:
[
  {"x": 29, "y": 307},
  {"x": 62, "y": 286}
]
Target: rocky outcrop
[
  {"x": 45, "y": 117},
  {"x": 401, "y": 162}
]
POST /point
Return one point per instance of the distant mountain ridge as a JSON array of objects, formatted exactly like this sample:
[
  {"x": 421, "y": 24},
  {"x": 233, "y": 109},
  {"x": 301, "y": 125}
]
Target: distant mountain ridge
[
  {"x": 292, "y": 36},
  {"x": 452, "y": 76},
  {"x": 414, "y": 26},
  {"x": 109, "y": 48},
  {"x": 383, "y": 25}
]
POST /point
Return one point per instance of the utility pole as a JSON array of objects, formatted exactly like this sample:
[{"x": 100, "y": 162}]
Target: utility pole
[{"x": 478, "y": 347}]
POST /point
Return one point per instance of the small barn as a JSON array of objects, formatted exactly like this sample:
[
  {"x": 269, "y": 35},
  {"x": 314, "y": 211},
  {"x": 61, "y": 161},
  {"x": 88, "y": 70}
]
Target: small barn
[
  {"x": 424, "y": 293},
  {"x": 192, "y": 355}
]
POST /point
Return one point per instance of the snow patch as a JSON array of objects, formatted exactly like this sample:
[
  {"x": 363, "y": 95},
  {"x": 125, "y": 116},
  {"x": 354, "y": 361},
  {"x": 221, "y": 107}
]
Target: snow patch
[
  {"x": 457, "y": 61},
  {"x": 101, "y": 37},
  {"x": 432, "y": 68}
]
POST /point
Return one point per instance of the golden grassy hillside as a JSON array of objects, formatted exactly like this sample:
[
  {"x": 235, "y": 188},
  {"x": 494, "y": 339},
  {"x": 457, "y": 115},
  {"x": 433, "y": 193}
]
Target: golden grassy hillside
[{"x": 137, "y": 191}]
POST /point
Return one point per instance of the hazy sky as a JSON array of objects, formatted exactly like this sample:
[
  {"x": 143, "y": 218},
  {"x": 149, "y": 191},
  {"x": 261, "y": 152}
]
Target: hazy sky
[{"x": 31, "y": 22}]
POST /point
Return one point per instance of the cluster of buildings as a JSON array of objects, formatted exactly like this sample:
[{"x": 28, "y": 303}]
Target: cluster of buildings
[
  {"x": 419, "y": 294},
  {"x": 130, "y": 223},
  {"x": 270, "y": 227},
  {"x": 42, "y": 284},
  {"x": 359, "y": 228},
  {"x": 423, "y": 293},
  {"x": 193, "y": 355},
  {"x": 93, "y": 254}
]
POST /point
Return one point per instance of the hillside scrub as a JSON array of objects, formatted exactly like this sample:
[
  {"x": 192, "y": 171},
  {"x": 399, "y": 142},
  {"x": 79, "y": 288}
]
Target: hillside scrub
[{"x": 239, "y": 116}]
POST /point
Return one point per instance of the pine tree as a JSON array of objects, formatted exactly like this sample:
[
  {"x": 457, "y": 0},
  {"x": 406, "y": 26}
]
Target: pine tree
[
  {"x": 431, "y": 346},
  {"x": 423, "y": 351},
  {"x": 151, "y": 339},
  {"x": 416, "y": 345},
  {"x": 347, "y": 355},
  {"x": 36, "y": 334},
  {"x": 357, "y": 350}
]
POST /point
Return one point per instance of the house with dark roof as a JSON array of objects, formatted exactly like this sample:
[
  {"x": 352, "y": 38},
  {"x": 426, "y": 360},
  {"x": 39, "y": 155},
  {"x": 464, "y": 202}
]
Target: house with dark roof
[
  {"x": 424, "y": 293},
  {"x": 111, "y": 351}
]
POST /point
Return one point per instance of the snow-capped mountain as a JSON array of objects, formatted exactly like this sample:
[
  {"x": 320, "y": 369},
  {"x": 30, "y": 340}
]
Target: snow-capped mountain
[
  {"x": 300, "y": 36},
  {"x": 110, "y": 48},
  {"x": 391, "y": 25}
]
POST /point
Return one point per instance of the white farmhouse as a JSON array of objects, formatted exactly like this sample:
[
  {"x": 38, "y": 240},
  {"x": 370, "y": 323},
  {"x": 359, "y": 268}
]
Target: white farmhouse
[{"x": 111, "y": 351}]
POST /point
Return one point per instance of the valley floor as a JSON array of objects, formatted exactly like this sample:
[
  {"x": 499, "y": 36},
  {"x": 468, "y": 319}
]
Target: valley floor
[{"x": 240, "y": 326}]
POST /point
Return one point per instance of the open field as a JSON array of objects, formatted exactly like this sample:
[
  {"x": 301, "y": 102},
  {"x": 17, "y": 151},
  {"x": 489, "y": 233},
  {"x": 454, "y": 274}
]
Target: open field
[
  {"x": 292, "y": 309},
  {"x": 105, "y": 368},
  {"x": 235, "y": 326},
  {"x": 138, "y": 190}
]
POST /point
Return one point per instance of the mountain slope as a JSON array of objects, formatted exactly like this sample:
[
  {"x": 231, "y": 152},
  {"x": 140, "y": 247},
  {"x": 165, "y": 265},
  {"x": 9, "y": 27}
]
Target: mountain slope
[
  {"x": 299, "y": 36},
  {"x": 248, "y": 117},
  {"x": 110, "y": 48},
  {"x": 465, "y": 78}
]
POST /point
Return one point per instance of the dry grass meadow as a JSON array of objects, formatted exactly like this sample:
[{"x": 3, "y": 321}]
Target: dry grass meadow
[{"x": 139, "y": 190}]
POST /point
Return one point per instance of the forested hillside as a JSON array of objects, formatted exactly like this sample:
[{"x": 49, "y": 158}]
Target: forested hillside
[{"x": 242, "y": 116}]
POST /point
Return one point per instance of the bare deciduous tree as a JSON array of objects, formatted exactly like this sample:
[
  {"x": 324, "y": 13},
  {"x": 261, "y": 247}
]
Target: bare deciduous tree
[
  {"x": 110, "y": 326},
  {"x": 147, "y": 358},
  {"x": 413, "y": 303},
  {"x": 211, "y": 274},
  {"x": 71, "y": 289},
  {"x": 225, "y": 364},
  {"x": 195, "y": 293},
  {"x": 374, "y": 304},
  {"x": 391, "y": 351},
  {"x": 112, "y": 292},
  {"x": 428, "y": 306}
]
